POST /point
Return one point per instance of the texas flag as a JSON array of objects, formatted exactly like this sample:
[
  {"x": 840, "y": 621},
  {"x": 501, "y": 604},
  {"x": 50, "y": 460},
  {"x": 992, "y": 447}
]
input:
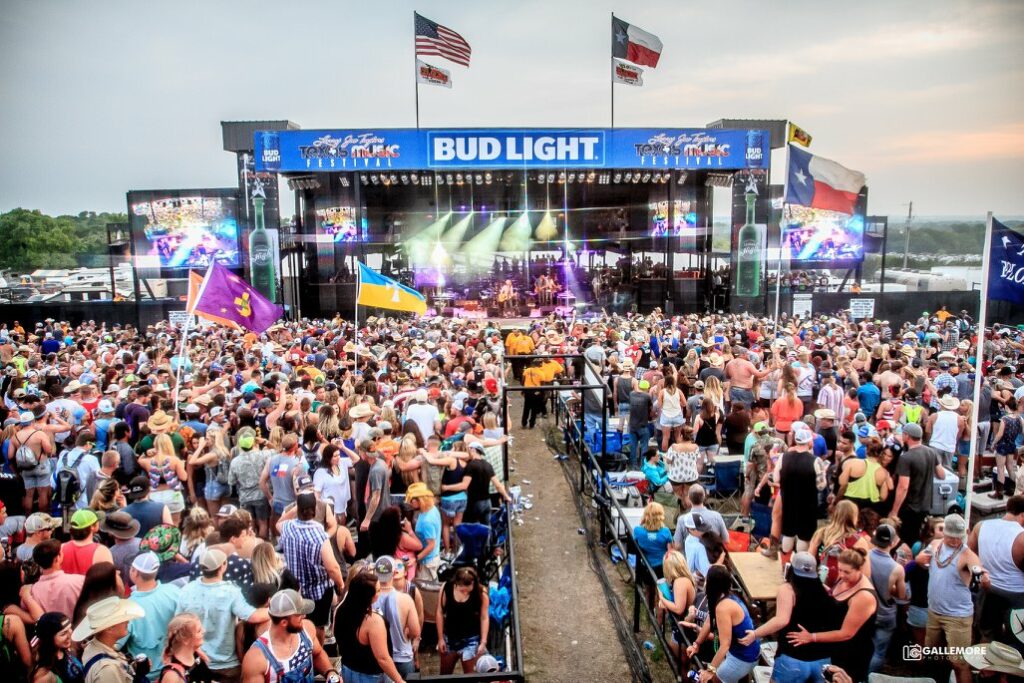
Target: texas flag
[
  {"x": 821, "y": 183},
  {"x": 634, "y": 44}
]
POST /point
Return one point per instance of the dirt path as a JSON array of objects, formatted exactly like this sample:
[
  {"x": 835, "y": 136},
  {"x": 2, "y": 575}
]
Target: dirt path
[{"x": 566, "y": 627}]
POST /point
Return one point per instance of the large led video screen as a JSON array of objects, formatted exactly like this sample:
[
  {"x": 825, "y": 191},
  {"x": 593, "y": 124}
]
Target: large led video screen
[
  {"x": 179, "y": 229},
  {"x": 339, "y": 223},
  {"x": 815, "y": 238},
  {"x": 684, "y": 220}
]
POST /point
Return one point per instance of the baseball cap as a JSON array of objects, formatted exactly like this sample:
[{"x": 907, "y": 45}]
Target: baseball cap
[
  {"x": 476, "y": 445},
  {"x": 83, "y": 519},
  {"x": 216, "y": 411},
  {"x": 384, "y": 568},
  {"x": 303, "y": 481},
  {"x": 147, "y": 563},
  {"x": 40, "y": 521},
  {"x": 913, "y": 430},
  {"x": 288, "y": 602},
  {"x": 487, "y": 664},
  {"x": 954, "y": 526},
  {"x": 761, "y": 427},
  {"x": 138, "y": 487},
  {"x": 212, "y": 560},
  {"x": 883, "y": 535},
  {"x": 227, "y": 510},
  {"x": 803, "y": 435},
  {"x": 804, "y": 565},
  {"x": 883, "y": 424}
]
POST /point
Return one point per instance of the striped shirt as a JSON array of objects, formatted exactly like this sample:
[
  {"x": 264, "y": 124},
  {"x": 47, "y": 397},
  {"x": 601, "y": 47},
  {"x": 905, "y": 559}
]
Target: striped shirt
[{"x": 301, "y": 542}]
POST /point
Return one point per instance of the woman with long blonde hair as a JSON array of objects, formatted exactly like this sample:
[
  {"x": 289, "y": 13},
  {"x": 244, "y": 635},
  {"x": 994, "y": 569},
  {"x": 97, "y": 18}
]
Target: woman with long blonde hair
[
  {"x": 214, "y": 455},
  {"x": 677, "y": 594},
  {"x": 194, "y": 530},
  {"x": 715, "y": 392},
  {"x": 653, "y": 539},
  {"x": 841, "y": 533},
  {"x": 328, "y": 424},
  {"x": 166, "y": 473},
  {"x": 107, "y": 497}
]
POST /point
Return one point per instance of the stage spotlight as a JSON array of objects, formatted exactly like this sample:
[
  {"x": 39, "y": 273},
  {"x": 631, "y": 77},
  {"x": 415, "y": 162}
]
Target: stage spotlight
[
  {"x": 636, "y": 178},
  {"x": 394, "y": 179},
  {"x": 344, "y": 181},
  {"x": 629, "y": 177},
  {"x": 591, "y": 176},
  {"x": 551, "y": 177},
  {"x": 363, "y": 179},
  {"x": 458, "y": 179},
  {"x": 414, "y": 178},
  {"x": 561, "y": 177},
  {"x": 572, "y": 177},
  {"x": 541, "y": 178},
  {"x": 385, "y": 179},
  {"x": 617, "y": 179},
  {"x": 375, "y": 179},
  {"x": 479, "y": 179},
  {"x": 427, "y": 181},
  {"x": 681, "y": 178},
  {"x": 657, "y": 177},
  {"x": 488, "y": 177},
  {"x": 449, "y": 178},
  {"x": 405, "y": 179},
  {"x": 647, "y": 176},
  {"x": 440, "y": 179},
  {"x": 510, "y": 176}
]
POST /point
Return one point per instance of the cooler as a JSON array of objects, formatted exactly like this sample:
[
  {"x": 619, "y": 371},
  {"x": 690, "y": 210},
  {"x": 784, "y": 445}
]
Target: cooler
[
  {"x": 944, "y": 492},
  {"x": 623, "y": 527}
]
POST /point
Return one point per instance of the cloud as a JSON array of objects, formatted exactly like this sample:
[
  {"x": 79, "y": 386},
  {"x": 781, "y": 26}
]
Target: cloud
[{"x": 999, "y": 142}]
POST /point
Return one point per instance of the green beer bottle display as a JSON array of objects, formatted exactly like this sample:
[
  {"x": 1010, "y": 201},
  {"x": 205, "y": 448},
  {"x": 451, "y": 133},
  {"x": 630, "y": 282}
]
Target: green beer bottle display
[
  {"x": 261, "y": 256},
  {"x": 748, "y": 256}
]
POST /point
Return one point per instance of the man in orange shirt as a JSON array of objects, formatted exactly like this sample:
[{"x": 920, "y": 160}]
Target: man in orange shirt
[{"x": 533, "y": 401}]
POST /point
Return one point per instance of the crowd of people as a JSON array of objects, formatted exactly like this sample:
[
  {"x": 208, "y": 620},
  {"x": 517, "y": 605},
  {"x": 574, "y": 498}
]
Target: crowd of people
[
  {"x": 855, "y": 436},
  {"x": 243, "y": 506}
]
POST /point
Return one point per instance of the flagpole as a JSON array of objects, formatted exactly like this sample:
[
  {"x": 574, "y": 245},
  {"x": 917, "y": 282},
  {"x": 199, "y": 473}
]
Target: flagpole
[
  {"x": 611, "y": 73},
  {"x": 415, "y": 74},
  {"x": 181, "y": 358},
  {"x": 778, "y": 260},
  {"x": 359, "y": 284},
  {"x": 979, "y": 362}
]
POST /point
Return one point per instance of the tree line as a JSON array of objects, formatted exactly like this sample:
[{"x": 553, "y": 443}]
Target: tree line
[{"x": 30, "y": 239}]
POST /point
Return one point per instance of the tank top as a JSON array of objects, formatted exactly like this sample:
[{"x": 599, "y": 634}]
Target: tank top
[
  {"x": 450, "y": 477},
  {"x": 746, "y": 653},
  {"x": 163, "y": 473},
  {"x": 882, "y": 565},
  {"x": 461, "y": 619},
  {"x": 623, "y": 389},
  {"x": 78, "y": 558},
  {"x": 670, "y": 404},
  {"x": 354, "y": 654},
  {"x": 387, "y": 604},
  {"x": 706, "y": 435},
  {"x": 298, "y": 668},
  {"x": 865, "y": 488},
  {"x": 816, "y": 617},
  {"x": 854, "y": 655},
  {"x": 948, "y": 595},
  {"x": 944, "y": 432},
  {"x": 1007, "y": 444},
  {"x": 995, "y": 548}
]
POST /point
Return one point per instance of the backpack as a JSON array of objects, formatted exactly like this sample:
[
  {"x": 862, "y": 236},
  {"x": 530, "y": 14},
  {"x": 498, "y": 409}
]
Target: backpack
[
  {"x": 828, "y": 559},
  {"x": 912, "y": 413},
  {"x": 25, "y": 458},
  {"x": 69, "y": 485}
]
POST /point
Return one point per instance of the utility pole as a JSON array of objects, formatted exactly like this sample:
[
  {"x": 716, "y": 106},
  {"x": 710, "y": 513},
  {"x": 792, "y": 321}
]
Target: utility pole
[{"x": 906, "y": 235}]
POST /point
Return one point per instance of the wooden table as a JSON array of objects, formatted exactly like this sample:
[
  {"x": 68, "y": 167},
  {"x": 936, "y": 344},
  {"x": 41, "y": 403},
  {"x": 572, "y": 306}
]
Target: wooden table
[{"x": 760, "y": 577}]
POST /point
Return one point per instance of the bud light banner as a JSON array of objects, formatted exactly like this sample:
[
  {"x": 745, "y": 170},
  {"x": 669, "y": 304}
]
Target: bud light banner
[{"x": 296, "y": 151}]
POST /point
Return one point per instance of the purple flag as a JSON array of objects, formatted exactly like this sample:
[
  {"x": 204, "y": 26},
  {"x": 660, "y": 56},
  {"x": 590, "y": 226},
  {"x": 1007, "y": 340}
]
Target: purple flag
[{"x": 226, "y": 295}]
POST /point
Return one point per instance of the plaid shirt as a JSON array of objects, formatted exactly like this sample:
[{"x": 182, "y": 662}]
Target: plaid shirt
[
  {"x": 301, "y": 543},
  {"x": 943, "y": 381}
]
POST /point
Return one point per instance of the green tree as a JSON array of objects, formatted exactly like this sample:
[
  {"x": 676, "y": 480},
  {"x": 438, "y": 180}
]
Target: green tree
[{"x": 31, "y": 240}]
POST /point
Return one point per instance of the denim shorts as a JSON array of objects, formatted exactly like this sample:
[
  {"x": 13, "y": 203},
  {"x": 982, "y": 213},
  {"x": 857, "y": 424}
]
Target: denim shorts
[
  {"x": 39, "y": 477},
  {"x": 734, "y": 669},
  {"x": 259, "y": 509},
  {"x": 790, "y": 670},
  {"x": 453, "y": 505},
  {"x": 917, "y": 617},
  {"x": 213, "y": 490},
  {"x": 466, "y": 648},
  {"x": 350, "y": 676},
  {"x": 623, "y": 409},
  {"x": 676, "y": 421}
]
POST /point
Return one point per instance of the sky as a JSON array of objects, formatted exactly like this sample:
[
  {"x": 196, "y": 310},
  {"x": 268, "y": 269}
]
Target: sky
[{"x": 99, "y": 97}]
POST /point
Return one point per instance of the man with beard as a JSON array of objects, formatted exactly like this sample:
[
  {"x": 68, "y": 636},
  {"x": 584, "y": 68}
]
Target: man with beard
[{"x": 289, "y": 649}]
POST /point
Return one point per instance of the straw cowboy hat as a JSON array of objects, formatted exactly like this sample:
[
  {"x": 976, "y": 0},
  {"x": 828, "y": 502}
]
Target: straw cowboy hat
[
  {"x": 715, "y": 360},
  {"x": 417, "y": 490},
  {"x": 949, "y": 402},
  {"x": 995, "y": 656},
  {"x": 160, "y": 422},
  {"x": 104, "y": 614},
  {"x": 360, "y": 411}
]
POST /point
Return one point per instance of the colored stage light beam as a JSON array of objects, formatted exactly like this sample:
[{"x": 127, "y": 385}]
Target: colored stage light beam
[
  {"x": 419, "y": 246},
  {"x": 517, "y": 237},
  {"x": 478, "y": 253},
  {"x": 546, "y": 229},
  {"x": 453, "y": 238}
]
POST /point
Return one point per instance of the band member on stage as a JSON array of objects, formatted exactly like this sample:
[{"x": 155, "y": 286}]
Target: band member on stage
[
  {"x": 507, "y": 298},
  {"x": 545, "y": 288}
]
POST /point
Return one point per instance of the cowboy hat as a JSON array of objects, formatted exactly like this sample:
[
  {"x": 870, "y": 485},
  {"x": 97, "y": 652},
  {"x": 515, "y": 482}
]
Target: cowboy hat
[
  {"x": 949, "y": 402},
  {"x": 417, "y": 490},
  {"x": 104, "y": 614},
  {"x": 360, "y": 411},
  {"x": 908, "y": 351},
  {"x": 715, "y": 360},
  {"x": 995, "y": 656},
  {"x": 159, "y": 422}
]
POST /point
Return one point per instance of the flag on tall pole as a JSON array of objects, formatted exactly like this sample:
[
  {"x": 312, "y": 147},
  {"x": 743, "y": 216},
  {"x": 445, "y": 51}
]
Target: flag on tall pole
[
  {"x": 434, "y": 39},
  {"x": 626, "y": 73},
  {"x": 1006, "y": 265},
  {"x": 225, "y": 295},
  {"x": 798, "y": 135},
  {"x": 432, "y": 75},
  {"x": 821, "y": 183},
  {"x": 383, "y": 292},
  {"x": 195, "y": 283},
  {"x": 634, "y": 44}
]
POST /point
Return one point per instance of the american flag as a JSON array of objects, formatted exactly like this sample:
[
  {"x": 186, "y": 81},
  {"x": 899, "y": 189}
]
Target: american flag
[{"x": 434, "y": 39}]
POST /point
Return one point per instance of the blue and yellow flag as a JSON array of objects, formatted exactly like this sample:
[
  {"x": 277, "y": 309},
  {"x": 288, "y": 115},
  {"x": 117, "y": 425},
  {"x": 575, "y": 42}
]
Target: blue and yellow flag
[{"x": 383, "y": 292}]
